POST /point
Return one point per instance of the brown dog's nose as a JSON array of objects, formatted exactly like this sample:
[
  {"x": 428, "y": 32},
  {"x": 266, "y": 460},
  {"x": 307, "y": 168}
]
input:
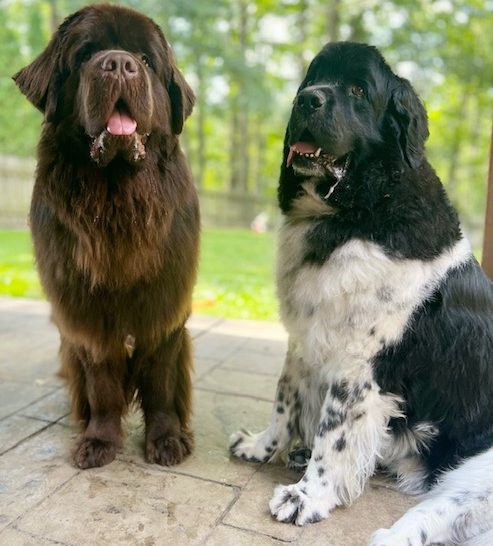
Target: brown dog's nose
[
  {"x": 309, "y": 100},
  {"x": 120, "y": 63}
]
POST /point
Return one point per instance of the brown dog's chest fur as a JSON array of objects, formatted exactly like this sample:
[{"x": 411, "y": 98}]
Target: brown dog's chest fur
[
  {"x": 119, "y": 222},
  {"x": 122, "y": 251}
]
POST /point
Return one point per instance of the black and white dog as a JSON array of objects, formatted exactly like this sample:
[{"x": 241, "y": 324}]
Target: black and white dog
[{"x": 390, "y": 318}]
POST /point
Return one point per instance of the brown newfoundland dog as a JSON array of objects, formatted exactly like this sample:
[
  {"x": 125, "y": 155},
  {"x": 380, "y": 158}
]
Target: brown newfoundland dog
[{"x": 115, "y": 223}]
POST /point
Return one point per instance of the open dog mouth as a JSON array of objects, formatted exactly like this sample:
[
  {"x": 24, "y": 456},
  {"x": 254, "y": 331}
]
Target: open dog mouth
[
  {"x": 308, "y": 151},
  {"x": 119, "y": 137},
  {"x": 120, "y": 122}
]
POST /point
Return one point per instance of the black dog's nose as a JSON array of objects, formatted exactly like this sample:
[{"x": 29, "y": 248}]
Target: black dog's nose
[
  {"x": 120, "y": 63},
  {"x": 309, "y": 100}
]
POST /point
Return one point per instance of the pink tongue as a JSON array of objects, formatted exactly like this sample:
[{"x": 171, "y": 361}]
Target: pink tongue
[
  {"x": 304, "y": 147},
  {"x": 301, "y": 148},
  {"x": 121, "y": 124}
]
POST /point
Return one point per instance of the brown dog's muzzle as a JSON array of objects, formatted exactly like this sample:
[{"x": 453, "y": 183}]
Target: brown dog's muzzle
[{"x": 116, "y": 106}]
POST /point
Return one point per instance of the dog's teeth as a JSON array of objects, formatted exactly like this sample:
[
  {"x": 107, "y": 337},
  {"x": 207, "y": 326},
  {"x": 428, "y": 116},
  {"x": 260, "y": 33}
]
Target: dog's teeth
[{"x": 318, "y": 152}]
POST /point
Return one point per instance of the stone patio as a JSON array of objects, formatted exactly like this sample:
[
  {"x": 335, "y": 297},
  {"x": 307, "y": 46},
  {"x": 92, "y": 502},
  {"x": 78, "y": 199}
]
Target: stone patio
[{"x": 209, "y": 499}]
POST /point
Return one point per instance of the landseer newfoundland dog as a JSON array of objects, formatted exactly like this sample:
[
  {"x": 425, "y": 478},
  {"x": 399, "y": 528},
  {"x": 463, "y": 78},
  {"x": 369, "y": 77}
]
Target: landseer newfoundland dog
[
  {"x": 390, "y": 318},
  {"x": 115, "y": 223}
]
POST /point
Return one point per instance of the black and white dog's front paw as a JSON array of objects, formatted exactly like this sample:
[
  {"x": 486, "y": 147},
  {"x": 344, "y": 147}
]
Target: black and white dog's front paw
[
  {"x": 291, "y": 504},
  {"x": 250, "y": 447},
  {"x": 387, "y": 537}
]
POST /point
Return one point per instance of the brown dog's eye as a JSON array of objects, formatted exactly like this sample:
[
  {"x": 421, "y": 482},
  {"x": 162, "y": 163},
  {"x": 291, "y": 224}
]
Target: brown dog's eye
[
  {"x": 146, "y": 61},
  {"x": 84, "y": 54},
  {"x": 357, "y": 91}
]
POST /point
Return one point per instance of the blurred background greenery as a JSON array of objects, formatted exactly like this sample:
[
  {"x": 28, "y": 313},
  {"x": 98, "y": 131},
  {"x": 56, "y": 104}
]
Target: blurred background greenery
[{"x": 244, "y": 60}]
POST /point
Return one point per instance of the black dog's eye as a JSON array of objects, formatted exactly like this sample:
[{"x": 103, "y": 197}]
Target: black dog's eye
[{"x": 357, "y": 91}]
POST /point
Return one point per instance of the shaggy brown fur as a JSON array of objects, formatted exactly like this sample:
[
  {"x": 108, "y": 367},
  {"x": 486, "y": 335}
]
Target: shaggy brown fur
[{"x": 115, "y": 224}]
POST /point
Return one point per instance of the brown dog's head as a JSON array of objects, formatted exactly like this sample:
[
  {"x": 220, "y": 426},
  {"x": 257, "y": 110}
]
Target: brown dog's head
[{"x": 109, "y": 75}]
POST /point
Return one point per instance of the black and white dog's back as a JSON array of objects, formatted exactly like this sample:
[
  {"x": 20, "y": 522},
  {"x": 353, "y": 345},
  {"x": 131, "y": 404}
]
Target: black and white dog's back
[{"x": 390, "y": 318}]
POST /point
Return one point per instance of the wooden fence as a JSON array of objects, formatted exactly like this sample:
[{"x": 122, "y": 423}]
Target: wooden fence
[
  {"x": 219, "y": 209},
  {"x": 16, "y": 184}
]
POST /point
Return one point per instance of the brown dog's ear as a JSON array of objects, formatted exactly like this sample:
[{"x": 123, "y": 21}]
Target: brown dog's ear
[
  {"x": 40, "y": 80},
  {"x": 182, "y": 100},
  {"x": 180, "y": 93},
  {"x": 36, "y": 80}
]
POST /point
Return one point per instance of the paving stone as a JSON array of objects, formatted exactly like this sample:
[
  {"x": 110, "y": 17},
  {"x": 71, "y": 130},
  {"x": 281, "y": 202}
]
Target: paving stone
[
  {"x": 198, "y": 325},
  {"x": 239, "y": 383},
  {"x": 216, "y": 346},
  {"x": 270, "y": 331},
  {"x": 202, "y": 366},
  {"x": 15, "y": 396},
  {"x": 125, "y": 504},
  {"x": 216, "y": 416},
  {"x": 29, "y": 347},
  {"x": 251, "y": 510},
  {"x": 16, "y": 428},
  {"x": 24, "y": 307},
  {"x": 255, "y": 362},
  {"x": 379, "y": 506},
  {"x": 39, "y": 367},
  {"x": 13, "y": 537},
  {"x": 269, "y": 346},
  {"x": 50, "y": 408},
  {"x": 231, "y": 536},
  {"x": 33, "y": 470}
]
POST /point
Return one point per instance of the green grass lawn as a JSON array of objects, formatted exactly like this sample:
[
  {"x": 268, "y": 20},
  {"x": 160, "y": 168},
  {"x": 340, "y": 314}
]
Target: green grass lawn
[{"x": 236, "y": 278}]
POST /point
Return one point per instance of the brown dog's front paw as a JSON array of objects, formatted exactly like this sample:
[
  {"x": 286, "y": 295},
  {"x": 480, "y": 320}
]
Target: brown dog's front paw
[
  {"x": 91, "y": 452},
  {"x": 168, "y": 450}
]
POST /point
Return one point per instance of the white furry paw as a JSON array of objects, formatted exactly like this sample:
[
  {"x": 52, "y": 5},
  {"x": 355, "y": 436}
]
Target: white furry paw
[
  {"x": 387, "y": 537},
  {"x": 292, "y": 505},
  {"x": 249, "y": 447}
]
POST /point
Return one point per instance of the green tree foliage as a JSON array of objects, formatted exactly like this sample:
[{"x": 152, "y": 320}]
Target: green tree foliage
[{"x": 245, "y": 59}]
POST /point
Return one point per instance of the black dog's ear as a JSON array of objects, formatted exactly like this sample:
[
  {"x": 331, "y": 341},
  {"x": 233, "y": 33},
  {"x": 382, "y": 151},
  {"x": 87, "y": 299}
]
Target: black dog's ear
[
  {"x": 36, "y": 80},
  {"x": 182, "y": 100},
  {"x": 408, "y": 122}
]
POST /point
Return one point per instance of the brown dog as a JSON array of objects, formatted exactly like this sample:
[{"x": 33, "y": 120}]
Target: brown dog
[{"x": 115, "y": 223}]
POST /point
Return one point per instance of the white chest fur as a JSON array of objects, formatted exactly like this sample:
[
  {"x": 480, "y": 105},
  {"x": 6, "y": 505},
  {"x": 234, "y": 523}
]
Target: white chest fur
[{"x": 341, "y": 313}]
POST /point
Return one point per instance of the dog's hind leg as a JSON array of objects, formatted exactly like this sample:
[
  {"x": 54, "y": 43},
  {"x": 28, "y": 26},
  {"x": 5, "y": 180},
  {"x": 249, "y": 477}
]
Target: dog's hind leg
[
  {"x": 265, "y": 445},
  {"x": 458, "y": 510}
]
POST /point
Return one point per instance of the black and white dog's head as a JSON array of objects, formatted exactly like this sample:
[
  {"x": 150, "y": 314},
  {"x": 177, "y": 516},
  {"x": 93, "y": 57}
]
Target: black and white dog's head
[{"x": 352, "y": 108}]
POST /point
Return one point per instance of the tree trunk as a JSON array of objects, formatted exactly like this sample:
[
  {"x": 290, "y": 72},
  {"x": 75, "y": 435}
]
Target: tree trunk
[
  {"x": 452, "y": 184},
  {"x": 54, "y": 16},
  {"x": 200, "y": 117},
  {"x": 487, "y": 262},
  {"x": 239, "y": 152},
  {"x": 243, "y": 114},
  {"x": 259, "y": 158},
  {"x": 234, "y": 143},
  {"x": 301, "y": 26},
  {"x": 333, "y": 20}
]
